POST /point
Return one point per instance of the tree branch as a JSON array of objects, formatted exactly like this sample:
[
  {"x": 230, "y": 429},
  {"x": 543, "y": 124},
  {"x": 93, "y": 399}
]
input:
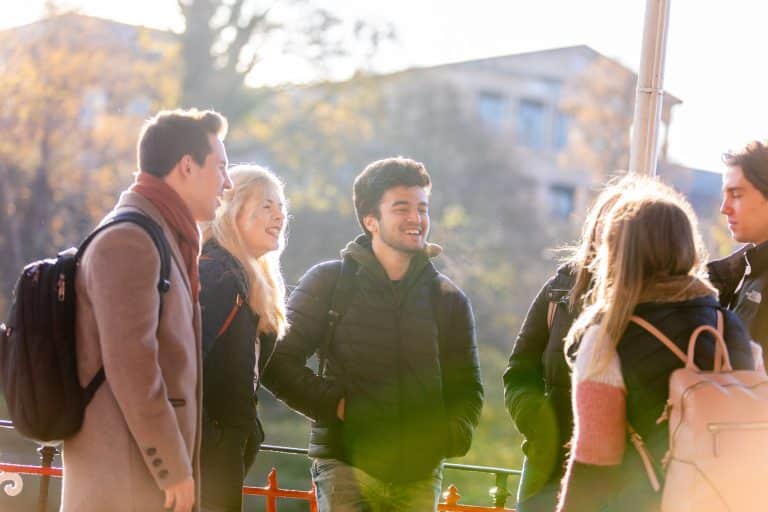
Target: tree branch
[{"x": 243, "y": 37}]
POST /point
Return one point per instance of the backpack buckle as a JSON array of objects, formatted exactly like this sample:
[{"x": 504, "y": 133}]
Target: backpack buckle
[{"x": 61, "y": 287}]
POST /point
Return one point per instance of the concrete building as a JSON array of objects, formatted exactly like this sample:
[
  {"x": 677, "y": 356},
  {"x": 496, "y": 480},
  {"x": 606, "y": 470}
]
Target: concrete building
[{"x": 563, "y": 114}]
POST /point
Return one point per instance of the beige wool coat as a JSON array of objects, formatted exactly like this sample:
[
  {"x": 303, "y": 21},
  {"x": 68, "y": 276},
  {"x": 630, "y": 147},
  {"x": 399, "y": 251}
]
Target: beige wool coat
[{"x": 141, "y": 432}]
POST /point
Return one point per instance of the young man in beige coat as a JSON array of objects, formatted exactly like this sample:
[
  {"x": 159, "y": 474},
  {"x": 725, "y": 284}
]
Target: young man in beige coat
[{"x": 139, "y": 445}]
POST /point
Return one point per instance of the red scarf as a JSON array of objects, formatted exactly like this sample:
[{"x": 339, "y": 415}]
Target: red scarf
[{"x": 178, "y": 216}]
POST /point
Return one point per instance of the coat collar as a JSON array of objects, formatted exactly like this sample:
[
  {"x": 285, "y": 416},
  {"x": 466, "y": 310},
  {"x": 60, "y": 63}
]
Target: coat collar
[
  {"x": 360, "y": 250},
  {"x": 214, "y": 251},
  {"x": 757, "y": 258}
]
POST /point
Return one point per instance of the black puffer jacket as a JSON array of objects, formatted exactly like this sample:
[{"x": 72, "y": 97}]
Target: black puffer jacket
[
  {"x": 407, "y": 406},
  {"x": 646, "y": 366},
  {"x": 538, "y": 371},
  {"x": 750, "y": 301},
  {"x": 232, "y": 432}
]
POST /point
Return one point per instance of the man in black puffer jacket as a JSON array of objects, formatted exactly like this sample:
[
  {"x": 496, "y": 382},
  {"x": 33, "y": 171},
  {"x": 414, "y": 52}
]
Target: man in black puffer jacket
[
  {"x": 742, "y": 277},
  {"x": 402, "y": 387}
]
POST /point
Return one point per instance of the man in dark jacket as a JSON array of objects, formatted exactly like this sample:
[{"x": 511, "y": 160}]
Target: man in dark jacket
[
  {"x": 742, "y": 277},
  {"x": 401, "y": 390}
]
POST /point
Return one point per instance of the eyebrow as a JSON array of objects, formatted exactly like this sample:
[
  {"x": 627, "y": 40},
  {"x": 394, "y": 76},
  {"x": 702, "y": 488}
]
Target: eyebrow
[
  {"x": 269, "y": 201},
  {"x": 406, "y": 203}
]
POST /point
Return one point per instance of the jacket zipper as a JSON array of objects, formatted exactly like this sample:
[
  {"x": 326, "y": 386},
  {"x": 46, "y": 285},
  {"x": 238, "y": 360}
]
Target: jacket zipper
[{"x": 397, "y": 294}]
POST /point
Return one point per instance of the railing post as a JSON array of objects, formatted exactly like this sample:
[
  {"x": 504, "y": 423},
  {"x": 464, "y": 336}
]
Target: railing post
[
  {"x": 451, "y": 496},
  {"x": 313, "y": 501},
  {"x": 500, "y": 493},
  {"x": 47, "y": 453},
  {"x": 272, "y": 489}
]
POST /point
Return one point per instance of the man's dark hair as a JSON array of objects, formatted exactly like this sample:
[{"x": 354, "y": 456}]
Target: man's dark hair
[
  {"x": 171, "y": 134},
  {"x": 382, "y": 175},
  {"x": 753, "y": 160}
]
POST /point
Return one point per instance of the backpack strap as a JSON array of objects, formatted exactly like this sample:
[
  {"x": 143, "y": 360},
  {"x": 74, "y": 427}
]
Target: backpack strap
[
  {"x": 551, "y": 308},
  {"x": 231, "y": 316},
  {"x": 721, "y": 353},
  {"x": 645, "y": 457},
  {"x": 341, "y": 298},
  {"x": 645, "y": 324},
  {"x": 442, "y": 313},
  {"x": 155, "y": 232},
  {"x": 239, "y": 301}
]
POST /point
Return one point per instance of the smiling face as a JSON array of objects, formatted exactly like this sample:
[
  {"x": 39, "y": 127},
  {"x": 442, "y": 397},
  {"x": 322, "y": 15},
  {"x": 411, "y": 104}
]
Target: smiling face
[
  {"x": 745, "y": 207},
  {"x": 261, "y": 222},
  {"x": 403, "y": 221}
]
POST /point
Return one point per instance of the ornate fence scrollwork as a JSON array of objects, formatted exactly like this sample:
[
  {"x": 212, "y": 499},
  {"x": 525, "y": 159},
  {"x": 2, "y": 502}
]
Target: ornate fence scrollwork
[{"x": 11, "y": 483}]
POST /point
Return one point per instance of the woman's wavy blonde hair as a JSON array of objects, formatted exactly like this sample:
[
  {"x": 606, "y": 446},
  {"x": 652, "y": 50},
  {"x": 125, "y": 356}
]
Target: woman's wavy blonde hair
[
  {"x": 649, "y": 236},
  {"x": 265, "y": 280},
  {"x": 580, "y": 256}
]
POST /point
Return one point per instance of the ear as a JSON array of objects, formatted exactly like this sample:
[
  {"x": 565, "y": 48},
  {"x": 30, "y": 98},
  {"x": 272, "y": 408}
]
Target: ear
[
  {"x": 184, "y": 166},
  {"x": 371, "y": 223}
]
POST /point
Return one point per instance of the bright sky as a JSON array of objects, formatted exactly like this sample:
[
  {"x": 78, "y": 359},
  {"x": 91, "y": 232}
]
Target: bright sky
[{"x": 716, "y": 49}]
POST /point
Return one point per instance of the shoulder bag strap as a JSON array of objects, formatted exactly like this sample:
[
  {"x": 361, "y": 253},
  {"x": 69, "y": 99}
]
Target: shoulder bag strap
[{"x": 341, "y": 297}]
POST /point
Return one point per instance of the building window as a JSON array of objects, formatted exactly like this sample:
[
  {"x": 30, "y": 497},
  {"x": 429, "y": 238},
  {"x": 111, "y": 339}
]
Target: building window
[
  {"x": 490, "y": 108},
  {"x": 560, "y": 132},
  {"x": 562, "y": 199},
  {"x": 530, "y": 123}
]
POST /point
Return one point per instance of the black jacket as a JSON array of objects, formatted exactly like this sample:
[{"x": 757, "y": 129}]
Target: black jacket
[
  {"x": 407, "y": 404},
  {"x": 538, "y": 376},
  {"x": 229, "y": 357},
  {"x": 232, "y": 432},
  {"x": 751, "y": 264},
  {"x": 646, "y": 366}
]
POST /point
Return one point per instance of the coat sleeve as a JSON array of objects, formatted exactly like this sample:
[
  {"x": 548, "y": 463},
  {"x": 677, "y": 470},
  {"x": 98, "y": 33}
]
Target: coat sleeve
[
  {"x": 219, "y": 289},
  {"x": 126, "y": 306},
  {"x": 287, "y": 375},
  {"x": 524, "y": 375},
  {"x": 462, "y": 383},
  {"x": 599, "y": 436}
]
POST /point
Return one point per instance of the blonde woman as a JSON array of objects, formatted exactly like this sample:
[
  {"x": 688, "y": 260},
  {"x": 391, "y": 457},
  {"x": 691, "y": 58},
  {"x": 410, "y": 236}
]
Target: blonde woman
[
  {"x": 243, "y": 313},
  {"x": 648, "y": 264}
]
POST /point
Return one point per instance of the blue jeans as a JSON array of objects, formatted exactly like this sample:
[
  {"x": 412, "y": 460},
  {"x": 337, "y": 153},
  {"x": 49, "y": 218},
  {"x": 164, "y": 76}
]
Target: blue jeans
[{"x": 344, "y": 488}]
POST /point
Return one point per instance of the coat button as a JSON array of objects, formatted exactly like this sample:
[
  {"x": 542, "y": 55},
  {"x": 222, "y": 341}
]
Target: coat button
[
  {"x": 151, "y": 451},
  {"x": 157, "y": 462},
  {"x": 162, "y": 473}
]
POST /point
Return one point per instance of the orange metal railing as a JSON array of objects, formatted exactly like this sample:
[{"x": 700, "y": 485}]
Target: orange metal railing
[{"x": 271, "y": 492}]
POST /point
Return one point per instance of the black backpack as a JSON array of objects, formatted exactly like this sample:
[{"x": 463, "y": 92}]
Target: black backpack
[{"x": 38, "y": 364}]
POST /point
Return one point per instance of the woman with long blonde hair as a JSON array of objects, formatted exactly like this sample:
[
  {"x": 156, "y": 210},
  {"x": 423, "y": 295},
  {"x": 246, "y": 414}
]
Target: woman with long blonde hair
[
  {"x": 243, "y": 314},
  {"x": 648, "y": 264}
]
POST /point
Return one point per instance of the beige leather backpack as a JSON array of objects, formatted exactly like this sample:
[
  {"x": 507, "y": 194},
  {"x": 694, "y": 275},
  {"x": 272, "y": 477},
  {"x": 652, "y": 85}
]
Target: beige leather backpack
[{"x": 718, "y": 433}]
